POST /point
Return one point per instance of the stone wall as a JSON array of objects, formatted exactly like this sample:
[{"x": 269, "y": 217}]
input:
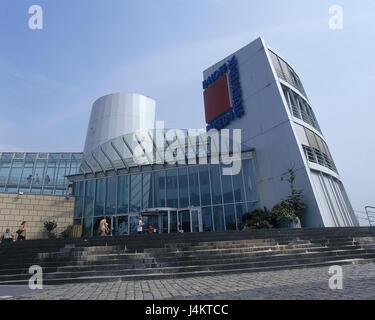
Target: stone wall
[{"x": 35, "y": 209}]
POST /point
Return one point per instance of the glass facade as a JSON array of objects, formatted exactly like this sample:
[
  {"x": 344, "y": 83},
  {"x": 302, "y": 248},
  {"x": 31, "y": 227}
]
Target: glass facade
[
  {"x": 37, "y": 173},
  {"x": 220, "y": 199}
]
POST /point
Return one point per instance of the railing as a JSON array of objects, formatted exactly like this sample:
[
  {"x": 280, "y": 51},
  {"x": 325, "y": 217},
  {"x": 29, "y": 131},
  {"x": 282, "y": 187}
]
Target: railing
[{"x": 370, "y": 212}]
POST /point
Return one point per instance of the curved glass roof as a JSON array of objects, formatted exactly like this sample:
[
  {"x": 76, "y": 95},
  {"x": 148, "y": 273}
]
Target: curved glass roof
[{"x": 160, "y": 146}]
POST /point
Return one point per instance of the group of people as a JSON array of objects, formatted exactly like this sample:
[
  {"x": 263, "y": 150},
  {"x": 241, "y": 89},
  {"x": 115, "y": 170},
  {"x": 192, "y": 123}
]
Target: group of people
[
  {"x": 104, "y": 229},
  {"x": 141, "y": 224},
  {"x": 19, "y": 235},
  {"x": 36, "y": 180}
]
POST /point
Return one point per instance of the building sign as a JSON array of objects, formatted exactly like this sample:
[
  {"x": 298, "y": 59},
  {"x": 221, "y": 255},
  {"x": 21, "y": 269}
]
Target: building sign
[{"x": 223, "y": 96}]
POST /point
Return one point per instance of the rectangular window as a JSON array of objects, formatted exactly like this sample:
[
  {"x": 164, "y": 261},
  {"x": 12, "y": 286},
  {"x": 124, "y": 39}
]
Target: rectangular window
[
  {"x": 4, "y": 171},
  {"x": 218, "y": 218},
  {"x": 135, "y": 192},
  {"x": 238, "y": 187},
  {"x": 89, "y": 198},
  {"x": 110, "y": 199},
  {"x": 99, "y": 197},
  {"x": 207, "y": 218},
  {"x": 147, "y": 191},
  {"x": 159, "y": 189},
  {"x": 15, "y": 172},
  {"x": 123, "y": 194},
  {"x": 205, "y": 185},
  {"x": 230, "y": 217},
  {"x": 240, "y": 210},
  {"x": 172, "y": 189},
  {"x": 226, "y": 181},
  {"x": 215, "y": 184},
  {"x": 183, "y": 188},
  {"x": 194, "y": 186}
]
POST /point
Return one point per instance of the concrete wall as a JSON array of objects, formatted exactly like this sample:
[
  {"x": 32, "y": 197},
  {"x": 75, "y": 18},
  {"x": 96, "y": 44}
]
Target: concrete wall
[{"x": 35, "y": 209}]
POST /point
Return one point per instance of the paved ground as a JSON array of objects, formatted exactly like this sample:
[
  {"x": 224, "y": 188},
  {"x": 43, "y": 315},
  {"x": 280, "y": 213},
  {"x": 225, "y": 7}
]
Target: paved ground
[{"x": 358, "y": 283}]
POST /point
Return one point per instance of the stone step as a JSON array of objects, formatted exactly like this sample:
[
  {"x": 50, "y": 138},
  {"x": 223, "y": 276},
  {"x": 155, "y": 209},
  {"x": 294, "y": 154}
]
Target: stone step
[
  {"x": 146, "y": 257},
  {"x": 207, "y": 270},
  {"x": 295, "y": 256}
]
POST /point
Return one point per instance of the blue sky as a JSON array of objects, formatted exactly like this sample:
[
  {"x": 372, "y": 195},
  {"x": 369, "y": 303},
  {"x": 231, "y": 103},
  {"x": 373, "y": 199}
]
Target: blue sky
[{"x": 50, "y": 78}]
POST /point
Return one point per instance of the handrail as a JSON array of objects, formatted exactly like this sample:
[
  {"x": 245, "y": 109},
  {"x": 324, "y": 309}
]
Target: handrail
[{"x": 370, "y": 212}]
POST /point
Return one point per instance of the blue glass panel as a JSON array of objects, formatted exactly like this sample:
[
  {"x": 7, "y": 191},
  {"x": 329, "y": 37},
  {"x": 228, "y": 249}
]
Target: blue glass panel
[
  {"x": 123, "y": 194},
  {"x": 99, "y": 197},
  {"x": 27, "y": 173},
  {"x": 226, "y": 182},
  {"x": 230, "y": 217},
  {"x": 207, "y": 219},
  {"x": 89, "y": 198},
  {"x": 62, "y": 171},
  {"x": 159, "y": 188},
  {"x": 215, "y": 184},
  {"x": 4, "y": 171},
  {"x": 39, "y": 172},
  {"x": 238, "y": 187},
  {"x": 15, "y": 172},
  {"x": 110, "y": 203},
  {"x": 172, "y": 190},
  {"x": 240, "y": 210},
  {"x": 218, "y": 218},
  {"x": 135, "y": 192},
  {"x": 51, "y": 173},
  {"x": 147, "y": 191},
  {"x": 249, "y": 179},
  {"x": 7, "y": 155},
  {"x": 183, "y": 188},
  {"x": 87, "y": 227},
  {"x": 194, "y": 186},
  {"x": 205, "y": 185}
]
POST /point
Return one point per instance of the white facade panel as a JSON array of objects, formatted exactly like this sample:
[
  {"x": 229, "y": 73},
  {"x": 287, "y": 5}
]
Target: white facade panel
[{"x": 117, "y": 114}]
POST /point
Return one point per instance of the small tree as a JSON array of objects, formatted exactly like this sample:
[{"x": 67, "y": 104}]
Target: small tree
[
  {"x": 294, "y": 200},
  {"x": 50, "y": 226},
  {"x": 291, "y": 208}
]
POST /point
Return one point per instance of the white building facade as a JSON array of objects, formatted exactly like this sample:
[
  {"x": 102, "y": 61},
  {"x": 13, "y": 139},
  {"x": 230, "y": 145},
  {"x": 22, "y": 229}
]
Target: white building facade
[{"x": 255, "y": 90}]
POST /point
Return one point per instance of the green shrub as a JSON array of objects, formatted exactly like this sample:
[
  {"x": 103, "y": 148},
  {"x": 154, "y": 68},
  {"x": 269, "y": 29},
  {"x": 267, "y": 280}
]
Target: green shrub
[{"x": 50, "y": 226}]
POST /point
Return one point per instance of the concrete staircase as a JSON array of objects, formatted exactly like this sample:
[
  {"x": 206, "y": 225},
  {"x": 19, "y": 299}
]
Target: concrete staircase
[{"x": 184, "y": 255}]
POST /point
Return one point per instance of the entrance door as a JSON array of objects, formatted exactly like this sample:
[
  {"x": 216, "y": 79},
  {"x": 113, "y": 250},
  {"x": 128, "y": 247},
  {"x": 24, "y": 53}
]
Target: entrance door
[
  {"x": 184, "y": 220},
  {"x": 190, "y": 220}
]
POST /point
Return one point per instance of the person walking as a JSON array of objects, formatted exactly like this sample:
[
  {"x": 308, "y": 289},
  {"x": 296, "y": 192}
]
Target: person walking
[
  {"x": 140, "y": 225},
  {"x": 22, "y": 231},
  {"x": 7, "y": 236},
  {"x": 103, "y": 227}
]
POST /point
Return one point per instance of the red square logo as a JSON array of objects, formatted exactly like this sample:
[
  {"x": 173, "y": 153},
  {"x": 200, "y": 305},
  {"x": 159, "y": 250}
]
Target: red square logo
[{"x": 216, "y": 98}]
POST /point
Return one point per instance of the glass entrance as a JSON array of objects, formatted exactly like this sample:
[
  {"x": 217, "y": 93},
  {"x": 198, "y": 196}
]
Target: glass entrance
[
  {"x": 163, "y": 220},
  {"x": 190, "y": 220}
]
